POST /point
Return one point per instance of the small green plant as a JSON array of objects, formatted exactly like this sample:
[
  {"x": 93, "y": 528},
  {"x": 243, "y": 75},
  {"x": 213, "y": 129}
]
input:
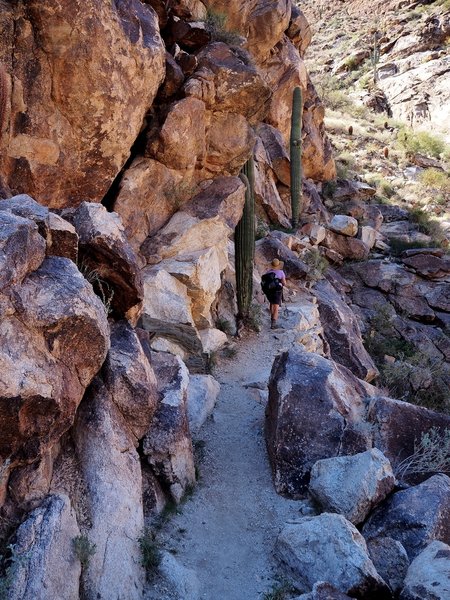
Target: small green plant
[
  {"x": 317, "y": 263},
  {"x": 224, "y": 325},
  {"x": 398, "y": 245},
  {"x": 375, "y": 56},
  {"x": 279, "y": 591},
  {"x": 216, "y": 25},
  {"x": 329, "y": 188},
  {"x": 422, "y": 142},
  {"x": 427, "y": 225},
  {"x": 83, "y": 549},
  {"x": 210, "y": 362},
  {"x": 436, "y": 180},
  {"x": 230, "y": 351},
  {"x": 150, "y": 551},
  {"x": 431, "y": 455}
]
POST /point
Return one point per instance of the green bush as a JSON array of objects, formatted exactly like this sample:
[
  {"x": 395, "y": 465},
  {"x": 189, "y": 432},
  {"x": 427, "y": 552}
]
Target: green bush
[
  {"x": 150, "y": 552},
  {"x": 216, "y": 25},
  {"x": 422, "y": 142},
  {"x": 427, "y": 225},
  {"x": 436, "y": 180}
]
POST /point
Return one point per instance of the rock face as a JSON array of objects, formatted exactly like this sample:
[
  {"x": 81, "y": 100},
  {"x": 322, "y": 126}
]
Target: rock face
[
  {"x": 112, "y": 472},
  {"x": 74, "y": 113},
  {"x": 298, "y": 436},
  {"x": 343, "y": 333},
  {"x": 130, "y": 379},
  {"x": 108, "y": 260},
  {"x": 55, "y": 337},
  {"x": 415, "y": 516},
  {"x": 428, "y": 576},
  {"x": 352, "y": 485},
  {"x": 329, "y": 548},
  {"x": 46, "y": 565},
  {"x": 168, "y": 444}
]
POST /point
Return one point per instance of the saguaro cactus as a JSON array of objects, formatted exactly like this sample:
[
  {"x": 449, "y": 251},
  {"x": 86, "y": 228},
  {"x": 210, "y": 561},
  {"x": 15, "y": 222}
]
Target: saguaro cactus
[
  {"x": 244, "y": 240},
  {"x": 3, "y": 96},
  {"x": 375, "y": 56},
  {"x": 296, "y": 155}
]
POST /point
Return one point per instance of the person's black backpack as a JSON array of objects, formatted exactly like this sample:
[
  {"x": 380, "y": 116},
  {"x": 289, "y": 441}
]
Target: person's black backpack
[{"x": 270, "y": 283}]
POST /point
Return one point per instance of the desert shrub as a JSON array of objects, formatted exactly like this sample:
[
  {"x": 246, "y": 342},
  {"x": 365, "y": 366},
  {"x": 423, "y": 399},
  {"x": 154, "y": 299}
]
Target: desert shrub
[
  {"x": 398, "y": 245},
  {"x": 216, "y": 25},
  {"x": 436, "y": 180},
  {"x": 421, "y": 142},
  {"x": 101, "y": 287},
  {"x": 317, "y": 263},
  {"x": 83, "y": 549},
  {"x": 427, "y": 225},
  {"x": 150, "y": 551},
  {"x": 279, "y": 591},
  {"x": 329, "y": 188},
  {"x": 224, "y": 325},
  {"x": 431, "y": 455}
]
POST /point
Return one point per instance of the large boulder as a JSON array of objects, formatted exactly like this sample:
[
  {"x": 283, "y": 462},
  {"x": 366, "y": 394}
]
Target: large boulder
[
  {"x": 77, "y": 109},
  {"x": 54, "y": 338},
  {"x": 206, "y": 220},
  {"x": 329, "y": 548},
  {"x": 415, "y": 516},
  {"x": 342, "y": 332},
  {"x": 45, "y": 564},
  {"x": 397, "y": 429},
  {"x": 22, "y": 248},
  {"x": 111, "y": 470},
  {"x": 390, "y": 560},
  {"x": 167, "y": 444},
  {"x": 315, "y": 410},
  {"x": 428, "y": 576},
  {"x": 129, "y": 379},
  {"x": 202, "y": 394},
  {"x": 352, "y": 485},
  {"x": 107, "y": 259}
]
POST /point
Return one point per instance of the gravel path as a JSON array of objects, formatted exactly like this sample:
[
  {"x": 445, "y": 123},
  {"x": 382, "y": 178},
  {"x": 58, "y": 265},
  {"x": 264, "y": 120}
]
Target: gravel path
[{"x": 226, "y": 531}]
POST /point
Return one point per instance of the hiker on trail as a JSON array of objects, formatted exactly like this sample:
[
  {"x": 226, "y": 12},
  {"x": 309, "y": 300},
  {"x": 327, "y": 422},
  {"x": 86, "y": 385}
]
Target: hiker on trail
[{"x": 272, "y": 284}]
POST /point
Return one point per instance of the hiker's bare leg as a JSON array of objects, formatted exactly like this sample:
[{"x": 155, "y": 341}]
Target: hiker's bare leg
[{"x": 275, "y": 312}]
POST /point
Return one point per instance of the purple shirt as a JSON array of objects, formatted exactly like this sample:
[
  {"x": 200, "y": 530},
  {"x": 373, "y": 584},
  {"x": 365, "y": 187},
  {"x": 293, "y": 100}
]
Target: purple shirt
[{"x": 278, "y": 272}]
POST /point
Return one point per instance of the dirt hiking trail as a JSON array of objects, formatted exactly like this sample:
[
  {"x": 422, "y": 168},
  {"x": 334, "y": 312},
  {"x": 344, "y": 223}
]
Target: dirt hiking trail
[{"x": 227, "y": 530}]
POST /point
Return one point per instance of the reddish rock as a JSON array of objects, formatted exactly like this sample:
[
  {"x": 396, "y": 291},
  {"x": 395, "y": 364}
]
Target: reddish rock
[
  {"x": 129, "y": 379},
  {"x": 225, "y": 83},
  {"x": 348, "y": 247},
  {"x": 108, "y": 261},
  {"x": 77, "y": 109},
  {"x": 299, "y": 30},
  {"x": 428, "y": 265},
  {"x": 22, "y": 249},
  {"x": 174, "y": 78},
  {"x": 398, "y": 426},
  {"x": 189, "y": 35},
  {"x": 314, "y": 411},
  {"x": 276, "y": 152},
  {"x": 415, "y": 516},
  {"x": 53, "y": 340},
  {"x": 270, "y": 247}
]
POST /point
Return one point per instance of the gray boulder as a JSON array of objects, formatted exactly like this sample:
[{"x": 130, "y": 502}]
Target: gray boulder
[
  {"x": 45, "y": 563},
  {"x": 315, "y": 410},
  {"x": 352, "y": 485},
  {"x": 390, "y": 560},
  {"x": 168, "y": 443},
  {"x": 329, "y": 548},
  {"x": 428, "y": 576},
  {"x": 202, "y": 394},
  {"x": 112, "y": 472},
  {"x": 415, "y": 516}
]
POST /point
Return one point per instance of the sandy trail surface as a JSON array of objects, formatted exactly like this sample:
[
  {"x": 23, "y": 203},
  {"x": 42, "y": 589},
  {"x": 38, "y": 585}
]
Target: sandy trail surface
[{"x": 225, "y": 532}]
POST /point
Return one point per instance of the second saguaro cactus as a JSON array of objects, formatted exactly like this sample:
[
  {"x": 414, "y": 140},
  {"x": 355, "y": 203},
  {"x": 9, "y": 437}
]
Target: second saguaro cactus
[
  {"x": 244, "y": 240},
  {"x": 296, "y": 155}
]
